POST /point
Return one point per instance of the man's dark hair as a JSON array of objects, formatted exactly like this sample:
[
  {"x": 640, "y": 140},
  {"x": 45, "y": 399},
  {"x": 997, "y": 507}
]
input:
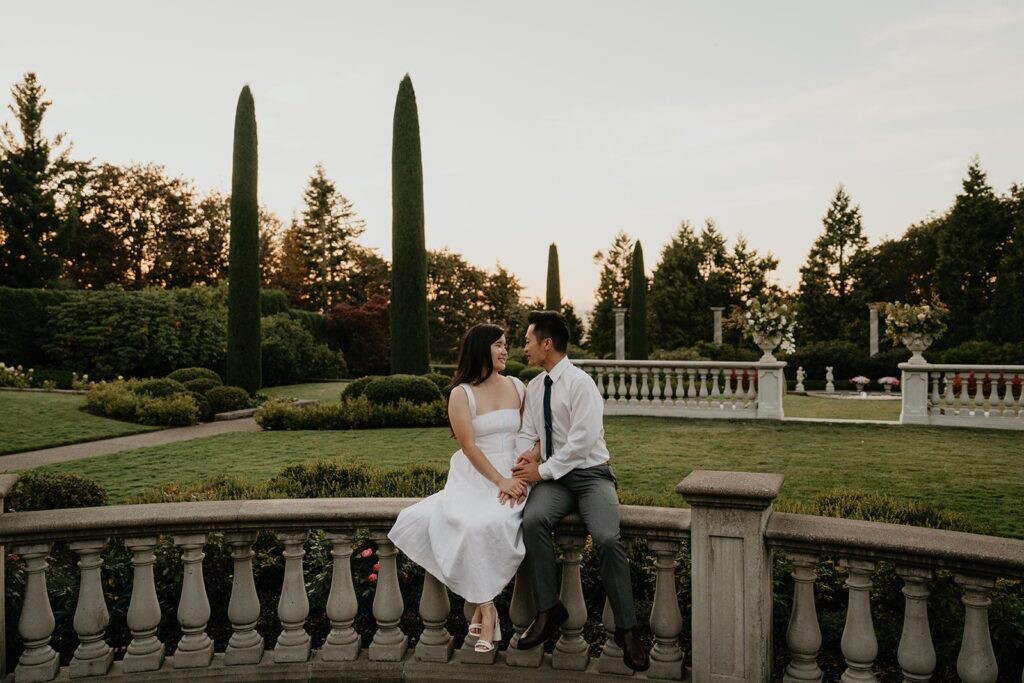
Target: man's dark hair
[{"x": 550, "y": 325}]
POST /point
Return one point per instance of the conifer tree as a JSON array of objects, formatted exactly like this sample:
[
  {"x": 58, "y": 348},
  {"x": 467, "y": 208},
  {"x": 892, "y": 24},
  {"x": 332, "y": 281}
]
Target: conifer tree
[
  {"x": 410, "y": 341},
  {"x": 638, "y": 306},
  {"x": 243, "y": 367},
  {"x": 554, "y": 293}
]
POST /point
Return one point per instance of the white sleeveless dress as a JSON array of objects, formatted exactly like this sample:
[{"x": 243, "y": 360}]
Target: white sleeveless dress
[{"x": 461, "y": 534}]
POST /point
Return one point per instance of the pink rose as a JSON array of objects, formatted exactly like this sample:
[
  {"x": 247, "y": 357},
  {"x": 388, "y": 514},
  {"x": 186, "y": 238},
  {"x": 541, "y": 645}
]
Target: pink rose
[
  {"x": 376, "y": 567},
  {"x": 921, "y": 316},
  {"x": 372, "y": 578},
  {"x": 366, "y": 553}
]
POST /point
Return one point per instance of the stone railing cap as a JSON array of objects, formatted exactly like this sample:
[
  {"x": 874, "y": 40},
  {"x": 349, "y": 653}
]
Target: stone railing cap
[{"x": 741, "y": 489}]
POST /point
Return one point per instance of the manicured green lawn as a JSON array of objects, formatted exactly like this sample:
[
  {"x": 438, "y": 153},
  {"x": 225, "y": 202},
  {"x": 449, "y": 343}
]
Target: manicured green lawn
[
  {"x": 795, "y": 405},
  {"x": 325, "y": 392},
  {"x": 977, "y": 472},
  {"x": 31, "y": 420}
]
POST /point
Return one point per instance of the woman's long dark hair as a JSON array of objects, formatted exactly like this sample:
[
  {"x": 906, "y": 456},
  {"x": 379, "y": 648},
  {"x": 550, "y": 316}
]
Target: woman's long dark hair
[{"x": 475, "y": 364}]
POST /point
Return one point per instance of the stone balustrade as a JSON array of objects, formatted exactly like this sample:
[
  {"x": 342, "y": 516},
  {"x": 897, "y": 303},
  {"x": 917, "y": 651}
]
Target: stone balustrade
[
  {"x": 711, "y": 389},
  {"x": 732, "y": 533},
  {"x": 987, "y": 396}
]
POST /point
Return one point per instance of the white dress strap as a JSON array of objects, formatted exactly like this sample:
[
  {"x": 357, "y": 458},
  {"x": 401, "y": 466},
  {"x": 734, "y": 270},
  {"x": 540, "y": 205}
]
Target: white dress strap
[{"x": 472, "y": 400}]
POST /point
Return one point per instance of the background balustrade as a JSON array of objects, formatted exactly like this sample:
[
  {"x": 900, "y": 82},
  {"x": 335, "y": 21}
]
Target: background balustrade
[{"x": 986, "y": 396}]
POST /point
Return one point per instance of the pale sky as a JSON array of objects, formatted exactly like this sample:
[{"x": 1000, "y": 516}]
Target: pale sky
[{"x": 552, "y": 121}]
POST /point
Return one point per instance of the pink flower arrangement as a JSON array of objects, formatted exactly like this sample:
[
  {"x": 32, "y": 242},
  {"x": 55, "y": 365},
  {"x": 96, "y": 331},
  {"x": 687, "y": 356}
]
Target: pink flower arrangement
[
  {"x": 892, "y": 381},
  {"x": 366, "y": 553}
]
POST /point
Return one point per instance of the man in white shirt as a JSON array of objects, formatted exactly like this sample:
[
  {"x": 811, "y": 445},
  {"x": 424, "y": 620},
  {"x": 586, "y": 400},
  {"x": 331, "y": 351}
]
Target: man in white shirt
[{"x": 564, "y": 411}]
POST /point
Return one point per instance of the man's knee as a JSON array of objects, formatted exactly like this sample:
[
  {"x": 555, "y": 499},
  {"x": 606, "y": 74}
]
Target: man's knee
[
  {"x": 606, "y": 541},
  {"x": 536, "y": 521}
]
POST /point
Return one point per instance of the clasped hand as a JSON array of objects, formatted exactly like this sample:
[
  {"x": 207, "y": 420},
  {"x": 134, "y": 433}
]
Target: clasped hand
[{"x": 523, "y": 472}]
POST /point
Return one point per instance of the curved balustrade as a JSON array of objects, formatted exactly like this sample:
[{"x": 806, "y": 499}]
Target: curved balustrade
[
  {"x": 732, "y": 533},
  {"x": 712, "y": 389},
  {"x": 964, "y": 395}
]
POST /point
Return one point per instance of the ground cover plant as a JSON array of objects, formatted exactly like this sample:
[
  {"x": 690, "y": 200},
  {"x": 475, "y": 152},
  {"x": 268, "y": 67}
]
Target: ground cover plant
[{"x": 33, "y": 419}]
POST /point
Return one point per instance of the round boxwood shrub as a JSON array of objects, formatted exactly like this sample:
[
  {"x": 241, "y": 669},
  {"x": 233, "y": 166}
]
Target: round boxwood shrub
[
  {"x": 185, "y": 375},
  {"x": 226, "y": 399},
  {"x": 205, "y": 414},
  {"x": 513, "y": 368},
  {"x": 529, "y": 372},
  {"x": 177, "y": 410},
  {"x": 440, "y": 380},
  {"x": 391, "y": 389},
  {"x": 202, "y": 384},
  {"x": 356, "y": 387},
  {"x": 44, "y": 491},
  {"x": 158, "y": 388}
]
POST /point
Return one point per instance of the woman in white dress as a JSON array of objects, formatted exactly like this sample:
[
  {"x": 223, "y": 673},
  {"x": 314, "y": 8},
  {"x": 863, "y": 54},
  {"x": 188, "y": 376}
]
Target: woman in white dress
[{"x": 462, "y": 534}]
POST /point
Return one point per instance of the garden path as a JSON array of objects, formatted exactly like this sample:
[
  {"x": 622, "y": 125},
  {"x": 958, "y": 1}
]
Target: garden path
[{"x": 48, "y": 456}]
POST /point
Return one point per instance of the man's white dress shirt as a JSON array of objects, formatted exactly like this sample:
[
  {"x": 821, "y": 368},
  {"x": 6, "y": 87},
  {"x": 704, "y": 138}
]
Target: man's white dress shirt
[{"x": 577, "y": 421}]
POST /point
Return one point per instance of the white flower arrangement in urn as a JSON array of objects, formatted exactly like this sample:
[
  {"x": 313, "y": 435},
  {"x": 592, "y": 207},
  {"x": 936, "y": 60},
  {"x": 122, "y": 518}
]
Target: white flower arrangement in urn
[
  {"x": 914, "y": 326},
  {"x": 769, "y": 322}
]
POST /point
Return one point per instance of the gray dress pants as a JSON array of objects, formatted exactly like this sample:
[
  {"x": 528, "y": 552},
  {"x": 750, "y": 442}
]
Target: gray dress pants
[{"x": 591, "y": 491}]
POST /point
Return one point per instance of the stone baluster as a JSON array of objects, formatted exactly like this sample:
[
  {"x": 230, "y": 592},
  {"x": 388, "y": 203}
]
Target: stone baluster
[
  {"x": 522, "y": 612},
  {"x": 92, "y": 656},
  {"x": 571, "y": 650},
  {"x": 623, "y": 391},
  {"x": 1020, "y": 401},
  {"x": 666, "y": 620},
  {"x": 293, "y": 605},
  {"x": 389, "y": 643},
  {"x": 751, "y": 388},
  {"x": 803, "y": 636},
  {"x": 972, "y": 399},
  {"x": 644, "y": 388},
  {"x": 859, "y": 645},
  {"x": 467, "y": 653},
  {"x": 703, "y": 403},
  {"x": 656, "y": 390},
  {"x": 679, "y": 396},
  {"x": 716, "y": 401},
  {"x": 691, "y": 389},
  {"x": 948, "y": 397},
  {"x": 343, "y": 643},
  {"x": 601, "y": 384},
  {"x": 436, "y": 644},
  {"x": 195, "y": 649},
  {"x": 916, "y": 653},
  {"x": 145, "y": 652},
  {"x": 634, "y": 391},
  {"x": 39, "y": 661},
  {"x": 727, "y": 398},
  {"x": 936, "y": 404},
  {"x": 246, "y": 644},
  {"x": 610, "y": 661},
  {"x": 977, "y": 661}
]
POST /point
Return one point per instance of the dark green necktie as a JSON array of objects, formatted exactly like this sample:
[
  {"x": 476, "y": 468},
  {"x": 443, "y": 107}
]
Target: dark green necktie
[{"x": 547, "y": 418}]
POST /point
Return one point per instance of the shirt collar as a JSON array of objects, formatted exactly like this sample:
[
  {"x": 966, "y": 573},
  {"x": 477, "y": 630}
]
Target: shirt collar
[{"x": 559, "y": 369}]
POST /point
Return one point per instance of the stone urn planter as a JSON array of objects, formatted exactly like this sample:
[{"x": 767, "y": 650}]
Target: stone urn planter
[
  {"x": 917, "y": 343},
  {"x": 767, "y": 344}
]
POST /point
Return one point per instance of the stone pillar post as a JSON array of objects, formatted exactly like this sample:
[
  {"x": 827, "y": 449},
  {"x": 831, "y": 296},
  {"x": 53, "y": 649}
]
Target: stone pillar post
[
  {"x": 873, "y": 312},
  {"x": 620, "y": 333},
  {"x": 718, "y": 323},
  {"x": 771, "y": 385},
  {"x": 731, "y": 574},
  {"x": 914, "y": 393}
]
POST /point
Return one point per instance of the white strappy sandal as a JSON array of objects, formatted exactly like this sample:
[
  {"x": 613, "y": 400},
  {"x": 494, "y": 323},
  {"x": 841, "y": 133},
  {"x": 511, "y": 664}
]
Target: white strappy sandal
[{"x": 484, "y": 645}]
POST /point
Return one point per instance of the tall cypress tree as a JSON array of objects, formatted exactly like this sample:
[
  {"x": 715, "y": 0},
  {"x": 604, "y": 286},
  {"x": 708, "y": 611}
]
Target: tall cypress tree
[
  {"x": 554, "y": 293},
  {"x": 410, "y": 341},
  {"x": 638, "y": 307},
  {"x": 244, "y": 254}
]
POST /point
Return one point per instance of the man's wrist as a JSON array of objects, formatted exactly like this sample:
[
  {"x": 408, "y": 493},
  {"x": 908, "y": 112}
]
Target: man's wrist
[{"x": 544, "y": 470}]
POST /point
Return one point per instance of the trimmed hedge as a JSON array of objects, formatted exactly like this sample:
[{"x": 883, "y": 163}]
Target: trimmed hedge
[
  {"x": 124, "y": 400},
  {"x": 442, "y": 381},
  {"x": 176, "y": 410},
  {"x": 290, "y": 353},
  {"x": 356, "y": 387},
  {"x": 47, "y": 491},
  {"x": 530, "y": 372},
  {"x": 202, "y": 384},
  {"x": 158, "y": 388},
  {"x": 226, "y": 398},
  {"x": 25, "y": 324},
  {"x": 185, "y": 375},
  {"x": 394, "y": 388},
  {"x": 357, "y": 413}
]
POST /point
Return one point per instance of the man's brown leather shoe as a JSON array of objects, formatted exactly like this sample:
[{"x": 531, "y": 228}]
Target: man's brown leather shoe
[
  {"x": 543, "y": 627},
  {"x": 633, "y": 653}
]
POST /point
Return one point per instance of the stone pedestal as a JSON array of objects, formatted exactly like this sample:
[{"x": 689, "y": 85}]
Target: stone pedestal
[
  {"x": 620, "y": 333},
  {"x": 873, "y": 341},
  {"x": 731, "y": 573},
  {"x": 914, "y": 385},
  {"x": 771, "y": 385},
  {"x": 718, "y": 323}
]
